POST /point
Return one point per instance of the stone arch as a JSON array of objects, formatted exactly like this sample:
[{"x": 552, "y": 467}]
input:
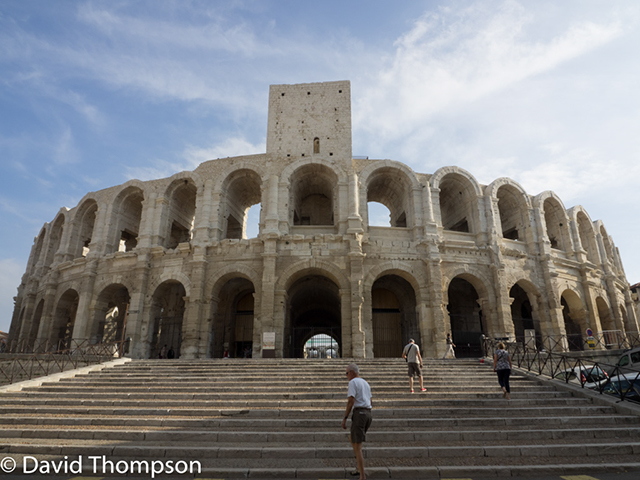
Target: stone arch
[
  {"x": 459, "y": 199},
  {"x": 223, "y": 275},
  {"x": 555, "y": 220},
  {"x": 320, "y": 267},
  {"x": 37, "y": 251},
  {"x": 233, "y": 308},
  {"x": 64, "y": 319},
  {"x": 54, "y": 239},
  {"x": 313, "y": 305},
  {"x": 179, "y": 277},
  {"x": 390, "y": 184},
  {"x": 575, "y": 318},
  {"x": 241, "y": 189},
  {"x": 83, "y": 221},
  {"x": 525, "y": 297},
  {"x": 513, "y": 203},
  {"x": 313, "y": 195},
  {"x": 108, "y": 324},
  {"x": 166, "y": 315},
  {"x": 467, "y": 318},
  {"x": 586, "y": 233},
  {"x": 607, "y": 242},
  {"x": 126, "y": 217},
  {"x": 180, "y": 211},
  {"x": 607, "y": 319}
]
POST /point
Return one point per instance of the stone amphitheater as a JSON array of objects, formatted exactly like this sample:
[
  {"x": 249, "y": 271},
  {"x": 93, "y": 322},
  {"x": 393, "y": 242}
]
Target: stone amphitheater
[{"x": 173, "y": 256}]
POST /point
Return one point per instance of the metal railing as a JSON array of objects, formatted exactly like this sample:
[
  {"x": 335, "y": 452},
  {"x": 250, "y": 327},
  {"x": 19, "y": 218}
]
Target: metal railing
[
  {"x": 621, "y": 382},
  {"x": 26, "y": 366}
]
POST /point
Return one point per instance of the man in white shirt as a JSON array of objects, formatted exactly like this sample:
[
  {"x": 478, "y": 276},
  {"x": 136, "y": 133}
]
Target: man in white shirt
[
  {"x": 414, "y": 361},
  {"x": 359, "y": 400}
]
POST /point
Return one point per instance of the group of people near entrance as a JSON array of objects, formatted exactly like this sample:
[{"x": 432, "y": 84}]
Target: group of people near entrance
[{"x": 359, "y": 402}]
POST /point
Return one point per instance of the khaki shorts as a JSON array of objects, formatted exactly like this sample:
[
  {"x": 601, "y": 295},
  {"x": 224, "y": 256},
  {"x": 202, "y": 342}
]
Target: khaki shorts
[
  {"x": 414, "y": 369},
  {"x": 360, "y": 422}
]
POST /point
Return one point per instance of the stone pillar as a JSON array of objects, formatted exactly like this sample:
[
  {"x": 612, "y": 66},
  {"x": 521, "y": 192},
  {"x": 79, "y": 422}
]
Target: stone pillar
[
  {"x": 193, "y": 326},
  {"x": 355, "y": 219},
  {"x": 136, "y": 329},
  {"x": 271, "y": 217},
  {"x": 46, "y": 323},
  {"x": 82, "y": 324},
  {"x": 271, "y": 315}
]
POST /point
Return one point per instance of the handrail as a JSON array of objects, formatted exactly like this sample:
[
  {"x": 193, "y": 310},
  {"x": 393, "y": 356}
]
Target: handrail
[
  {"x": 551, "y": 364},
  {"x": 81, "y": 353}
]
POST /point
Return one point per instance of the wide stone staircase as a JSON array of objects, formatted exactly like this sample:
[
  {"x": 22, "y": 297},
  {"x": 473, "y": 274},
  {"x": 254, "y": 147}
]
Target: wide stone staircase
[{"x": 281, "y": 419}]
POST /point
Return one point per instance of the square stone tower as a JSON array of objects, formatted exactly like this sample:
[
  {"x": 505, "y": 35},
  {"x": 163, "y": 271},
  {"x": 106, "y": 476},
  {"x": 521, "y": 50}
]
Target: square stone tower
[{"x": 310, "y": 119}]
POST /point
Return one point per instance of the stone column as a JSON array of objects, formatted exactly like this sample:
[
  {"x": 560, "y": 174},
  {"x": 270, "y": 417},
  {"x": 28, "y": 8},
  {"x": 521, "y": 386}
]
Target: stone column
[
  {"x": 271, "y": 217},
  {"x": 193, "y": 326},
  {"x": 271, "y": 315},
  {"x": 82, "y": 324}
]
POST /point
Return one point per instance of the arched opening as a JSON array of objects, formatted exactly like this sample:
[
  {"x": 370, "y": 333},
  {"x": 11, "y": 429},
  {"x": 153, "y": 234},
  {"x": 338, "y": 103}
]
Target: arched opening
[
  {"x": 466, "y": 318},
  {"x": 458, "y": 202},
  {"x": 394, "y": 318},
  {"x": 84, "y": 222},
  {"x": 313, "y": 308},
  {"x": 587, "y": 238},
  {"x": 321, "y": 346},
  {"x": 34, "y": 328},
  {"x": 182, "y": 212},
  {"x": 575, "y": 320},
  {"x": 232, "y": 333},
  {"x": 557, "y": 225},
  {"x": 64, "y": 319},
  {"x": 167, "y": 313},
  {"x": 389, "y": 187},
  {"x": 511, "y": 209},
  {"x": 378, "y": 214},
  {"x": 611, "y": 333},
  {"x": 527, "y": 329},
  {"x": 242, "y": 192},
  {"x": 109, "y": 315},
  {"x": 312, "y": 195},
  {"x": 38, "y": 250},
  {"x": 55, "y": 236},
  {"x": 607, "y": 245},
  {"x": 128, "y": 215}
]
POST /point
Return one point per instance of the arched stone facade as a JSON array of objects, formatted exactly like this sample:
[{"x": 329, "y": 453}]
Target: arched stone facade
[{"x": 457, "y": 255}]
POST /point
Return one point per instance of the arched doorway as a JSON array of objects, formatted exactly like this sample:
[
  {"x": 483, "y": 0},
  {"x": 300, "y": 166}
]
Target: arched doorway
[
  {"x": 232, "y": 333},
  {"x": 574, "y": 316},
  {"x": 466, "y": 318},
  {"x": 110, "y": 313},
  {"x": 313, "y": 307},
  {"x": 394, "y": 318},
  {"x": 526, "y": 328},
  {"x": 167, "y": 312},
  {"x": 64, "y": 320}
]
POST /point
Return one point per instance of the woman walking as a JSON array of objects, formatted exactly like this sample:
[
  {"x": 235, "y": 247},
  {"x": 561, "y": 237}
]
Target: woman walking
[{"x": 502, "y": 366}]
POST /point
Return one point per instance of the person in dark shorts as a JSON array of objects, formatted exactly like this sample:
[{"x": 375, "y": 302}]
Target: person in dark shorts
[
  {"x": 358, "y": 401},
  {"x": 411, "y": 353}
]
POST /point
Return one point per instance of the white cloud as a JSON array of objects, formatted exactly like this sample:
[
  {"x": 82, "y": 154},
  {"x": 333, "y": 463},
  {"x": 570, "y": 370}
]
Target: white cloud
[
  {"x": 193, "y": 156},
  {"x": 452, "y": 58}
]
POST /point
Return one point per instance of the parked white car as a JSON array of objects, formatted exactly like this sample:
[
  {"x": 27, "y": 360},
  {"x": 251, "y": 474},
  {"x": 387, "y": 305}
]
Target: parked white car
[{"x": 589, "y": 375}]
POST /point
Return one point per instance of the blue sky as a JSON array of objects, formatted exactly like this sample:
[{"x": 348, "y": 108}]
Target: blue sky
[{"x": 93, "y": 93}]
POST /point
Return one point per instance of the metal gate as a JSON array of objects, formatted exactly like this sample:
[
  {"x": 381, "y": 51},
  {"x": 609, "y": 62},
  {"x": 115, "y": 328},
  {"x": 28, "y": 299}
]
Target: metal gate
[{"x": 316, "y": 342}]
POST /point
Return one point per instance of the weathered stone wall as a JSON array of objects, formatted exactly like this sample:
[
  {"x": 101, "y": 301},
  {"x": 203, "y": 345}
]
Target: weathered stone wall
[{"x": 457, "y": 256}]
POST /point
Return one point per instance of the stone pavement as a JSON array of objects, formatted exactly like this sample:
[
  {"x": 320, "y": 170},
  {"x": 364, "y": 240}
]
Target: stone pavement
[{"x": 281, "y": 419}]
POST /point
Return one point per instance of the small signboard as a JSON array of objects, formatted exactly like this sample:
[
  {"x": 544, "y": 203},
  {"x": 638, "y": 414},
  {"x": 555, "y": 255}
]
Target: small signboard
[
  {"x": 591, "y": 342},
  {"x": 268, "y": 344}
]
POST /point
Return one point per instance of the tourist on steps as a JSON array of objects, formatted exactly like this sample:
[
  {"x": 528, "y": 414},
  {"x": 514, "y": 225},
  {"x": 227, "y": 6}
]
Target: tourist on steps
[
  {"x": 359, "y": 400},
  {"x": 502, "y": 366},
  {"x": 450, "y": 348},
  {"x": 411, "y": 354}
]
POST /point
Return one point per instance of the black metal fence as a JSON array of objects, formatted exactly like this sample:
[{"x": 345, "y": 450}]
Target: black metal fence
[
  {"x": 621, "y": 382},
  {"x": 26, "y": 366}
]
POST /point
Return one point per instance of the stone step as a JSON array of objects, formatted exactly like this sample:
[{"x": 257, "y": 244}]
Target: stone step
[
  {"x": 335, "y": 435},
  {"x": 395, "y": 413},
  {"x": 320, "y": 423}
]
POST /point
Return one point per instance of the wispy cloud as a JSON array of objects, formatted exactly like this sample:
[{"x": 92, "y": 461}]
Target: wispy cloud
[
  {"x": 193, "y": 156},
  {"x": 454, "y": 57}
]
